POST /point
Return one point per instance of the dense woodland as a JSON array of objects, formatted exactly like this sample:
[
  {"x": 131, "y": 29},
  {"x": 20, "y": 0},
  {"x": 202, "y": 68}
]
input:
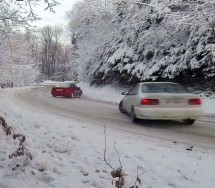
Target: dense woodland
[{"x": 118, "y": 42}]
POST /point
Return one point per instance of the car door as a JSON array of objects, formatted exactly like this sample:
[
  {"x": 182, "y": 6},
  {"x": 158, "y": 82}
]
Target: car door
[
  {"x": 132, "y": 98},
  {"x": 74, "y": 89},
  {"x": 125, "y": 99},
  {"x": 129, "y": 99}
]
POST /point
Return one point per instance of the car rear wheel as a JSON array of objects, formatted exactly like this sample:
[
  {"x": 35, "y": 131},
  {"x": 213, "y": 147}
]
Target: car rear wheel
[
  {"x": 189, "y": 121},
  {"x": 133, "y": 116},
  {"x": 121, "y": 107}
]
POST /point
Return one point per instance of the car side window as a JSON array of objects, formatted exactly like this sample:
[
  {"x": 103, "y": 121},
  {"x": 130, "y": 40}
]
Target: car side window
[
  {"x": 73, "y": 86},
  {"x": 133, "y": 90},
  {"x": 144, "y": 89}
]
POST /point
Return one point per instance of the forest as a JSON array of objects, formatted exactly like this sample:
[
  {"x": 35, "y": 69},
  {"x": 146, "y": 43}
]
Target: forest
[{"x": 117, "y": 42}]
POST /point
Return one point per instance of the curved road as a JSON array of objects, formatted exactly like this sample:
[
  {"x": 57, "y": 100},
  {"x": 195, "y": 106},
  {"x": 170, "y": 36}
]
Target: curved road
[{"x": 201, "y": 134}]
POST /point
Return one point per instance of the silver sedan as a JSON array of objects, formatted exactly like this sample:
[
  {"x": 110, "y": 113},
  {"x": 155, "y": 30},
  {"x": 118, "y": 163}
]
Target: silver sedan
[{"x": 161, "y": 101}]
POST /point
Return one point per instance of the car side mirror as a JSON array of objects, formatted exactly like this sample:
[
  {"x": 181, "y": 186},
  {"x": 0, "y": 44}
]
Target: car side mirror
[
  {"x": 189, "y": 89},
  {"x": 124, "y": 93}
]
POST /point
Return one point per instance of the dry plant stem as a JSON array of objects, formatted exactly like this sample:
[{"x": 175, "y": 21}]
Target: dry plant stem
[
  {"x": 21, "y": 150},
  {"x": 105, "y": 150},
  {"x": 116, "y": 173},
  {"x": 138, "y": 180},
  {"x": 118, "y": 156}
]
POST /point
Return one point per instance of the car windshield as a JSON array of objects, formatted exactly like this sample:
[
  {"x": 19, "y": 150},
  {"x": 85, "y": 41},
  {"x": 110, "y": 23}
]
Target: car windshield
[{"x": 163, "y": 88}]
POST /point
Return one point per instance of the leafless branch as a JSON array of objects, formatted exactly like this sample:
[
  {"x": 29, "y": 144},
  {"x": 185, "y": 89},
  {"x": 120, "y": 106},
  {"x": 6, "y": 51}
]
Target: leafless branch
[
  {"x": 138, "y": 180},
  {"x": 118, "y": 156},
  {"x": 16, "y": 14}
]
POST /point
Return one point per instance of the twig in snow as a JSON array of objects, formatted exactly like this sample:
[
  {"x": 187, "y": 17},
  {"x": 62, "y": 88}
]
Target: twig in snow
[
  {"x": 116, "y": 173},
  {"x": 21, "y": 150},
  {"x": 105, "y": 150}
]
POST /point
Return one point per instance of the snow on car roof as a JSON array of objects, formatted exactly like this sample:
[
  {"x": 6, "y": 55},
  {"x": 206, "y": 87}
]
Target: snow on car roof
[
  {"x": 64, "y": 85},
  {"x": 158, "y": 83}
]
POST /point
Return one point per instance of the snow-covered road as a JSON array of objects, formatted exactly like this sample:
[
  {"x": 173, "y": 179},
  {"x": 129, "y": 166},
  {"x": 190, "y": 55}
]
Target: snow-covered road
[{"x": 201, "y": 134}]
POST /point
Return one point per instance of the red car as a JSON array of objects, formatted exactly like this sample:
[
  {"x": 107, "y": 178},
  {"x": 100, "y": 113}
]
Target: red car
[{"x": 66, "y": 90}]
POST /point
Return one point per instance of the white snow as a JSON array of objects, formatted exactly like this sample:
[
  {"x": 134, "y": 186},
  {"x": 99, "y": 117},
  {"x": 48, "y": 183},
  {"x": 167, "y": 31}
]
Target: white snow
[
  {"x": 69, "y": 153},
  {"x": 209, "y": 106},
  {"x": 108, "y": 93}
]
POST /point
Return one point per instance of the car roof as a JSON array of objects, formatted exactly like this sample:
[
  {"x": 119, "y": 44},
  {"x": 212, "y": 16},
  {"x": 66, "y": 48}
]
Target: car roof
[
  {"x": 65, "y": 85},
  {"x": 142, "y": 83}
]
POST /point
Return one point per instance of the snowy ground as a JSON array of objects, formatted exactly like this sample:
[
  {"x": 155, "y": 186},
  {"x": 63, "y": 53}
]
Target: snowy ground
[{"x": 70, "y": 152}]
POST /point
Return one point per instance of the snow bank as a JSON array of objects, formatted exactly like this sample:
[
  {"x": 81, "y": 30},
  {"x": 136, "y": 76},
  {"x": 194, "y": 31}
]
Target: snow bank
[
  {"x": 108, "y": 93},
  {"x": 209, "y": 106}
]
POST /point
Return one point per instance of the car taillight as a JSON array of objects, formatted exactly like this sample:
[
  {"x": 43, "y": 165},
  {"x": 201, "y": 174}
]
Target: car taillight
[
  {"x": 195, "y": 102},
  {"x": 149, "y": 102}
]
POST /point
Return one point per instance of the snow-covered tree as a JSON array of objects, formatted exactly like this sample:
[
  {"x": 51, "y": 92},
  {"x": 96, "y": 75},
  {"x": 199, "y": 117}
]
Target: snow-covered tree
[
  {"x": 16, "y": 14},
  {"x": 19, "y": 52},
  {"x": 153, "y": 40},
  {"x": 24, "y": 75},
  {"x": 91, "y": 27},
  {"x": 18, "y": 65}
]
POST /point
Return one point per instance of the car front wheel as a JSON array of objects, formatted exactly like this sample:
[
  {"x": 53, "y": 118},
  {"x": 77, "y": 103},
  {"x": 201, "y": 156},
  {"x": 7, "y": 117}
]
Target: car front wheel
[
  {"x": 189, "y": 121},
  {"x": 121, "y": 107}
]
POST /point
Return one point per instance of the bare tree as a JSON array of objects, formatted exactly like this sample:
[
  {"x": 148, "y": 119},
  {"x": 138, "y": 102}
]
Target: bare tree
[
  {"x": 50, "y": 47},
  {"x": 15, "y": 14},
  {"x": 55, "y": 54}
]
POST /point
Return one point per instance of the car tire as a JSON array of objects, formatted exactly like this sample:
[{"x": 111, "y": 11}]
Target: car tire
[
  {"x": 134, "y": 119},
  {"x": 189, "y": 121},
  {"x": 72, "y": 95},
  {"x": 121, "y": 107}
]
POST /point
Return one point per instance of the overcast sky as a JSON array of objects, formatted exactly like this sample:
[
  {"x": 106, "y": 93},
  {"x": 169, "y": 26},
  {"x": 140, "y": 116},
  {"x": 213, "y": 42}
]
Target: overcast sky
[{"x": 57, "y": 18}]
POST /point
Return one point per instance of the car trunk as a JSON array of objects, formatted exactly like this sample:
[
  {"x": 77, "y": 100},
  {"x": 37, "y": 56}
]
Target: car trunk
[{"x": 61, "y": 91}]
